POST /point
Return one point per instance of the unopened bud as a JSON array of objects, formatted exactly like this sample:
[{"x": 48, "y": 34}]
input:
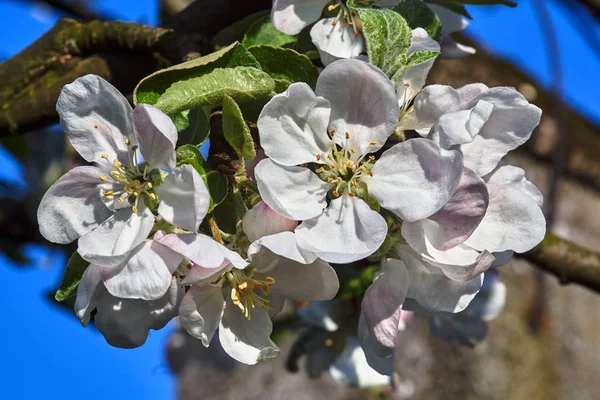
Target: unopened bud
[{"x": 261, "y": 221}]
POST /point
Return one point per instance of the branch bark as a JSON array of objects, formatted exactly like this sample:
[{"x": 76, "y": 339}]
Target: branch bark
[{"x": 568, "y": 261}]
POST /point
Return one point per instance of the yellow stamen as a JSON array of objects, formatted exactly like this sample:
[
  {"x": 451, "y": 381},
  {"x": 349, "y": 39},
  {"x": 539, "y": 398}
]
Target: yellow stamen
[
  {"x": 105, "y": 156},
  {"x": 149, "y": 185},
  {"x": 370, "y": 173},
  {"x": 371, "y": 158},
  {"x": 330, "y": 179},
  {"x": 347, "y": 135},
  {"x": 353, "y": 150},
  {"x": 117, "y": 163},
  {"x": 373, "y": 143},
  {"x": 351, "y": 194},
  {"x": 336, "y": 193},
  {"x": 152, "y": 196},
  {"x": 120, "y": 200},
  {"x": 103, "y": 178},
  {"x": 127, "y": 142},
  {"x": 318, "y": 157},
  {"x": 135, "y": 209},
  {"x": 318, "y": 171}
]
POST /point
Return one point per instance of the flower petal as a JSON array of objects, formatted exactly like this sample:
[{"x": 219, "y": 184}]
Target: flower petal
[
  {"x": 293, "y": 126},
  {"x": 262, "y": 221},
  {"x": 89, "y": 292},
  {"x": 352, "y": 368},
  {"x": 336, "y": 40},
  {"x": 430, "y": 104},
  {"x": 283, "y": 244},
  {"x": 509, "y": 175},
  {"x": 110, "y": 243},
  {"x": 72, "y": 206},
  {"x": 513, "y": 221},
  {"x": 382, "y": 307},
  {"x": 384, "y": 364},
  {"x": 184, "y": 199},
  {"x": 363, "y": 103},
  {"x": 347, "y": 231},
  {"x": 145, "y": 275},
  {"x": 434, "y": 290},
  {"x": 294, "y": 192},
  {"x": 96, "y": 117},
  {"x": 157, "y": 135},
  {"x": 125, "y": 323},
  {"x": 201, "y": 311},
  {"x": 462, "y": 214},
  {"x": 415, "y": 179},
  {"x": 416, "y": 75},
  {"x": 247, "y": 340},
  {"x": 291, "y": 16}
]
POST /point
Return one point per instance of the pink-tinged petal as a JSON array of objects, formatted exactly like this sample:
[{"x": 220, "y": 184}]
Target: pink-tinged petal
[
  {"x": 110, "y": 243},
  {"x": 197, "y": 274},
  {"x": 96, "y": 118},
  {"x": 509, "y": 175},
  {"x": 157, "y": 135},
  {"x": 201, "y": 311},
  {"x": 462, "y": 214},
  {"x": 291, "y": 16},
  {"x": 184, "y": 199},
  {"x": 293, "y": 126},
  {"x": 261, "y": 220},
  {"x": 347, "y": 231},
  {"x": 382, "y": 307},
  {"x": 146, "y": 274},
  {"x": 295, "y": 192},
  {"x": 513, "y": 221},
  {"x": 283, "y": 244},
  {"x": 363, "y": 103},
  {"x": 89, "y": 292},
  {"x": 247, "y": 340},
  {"x": 73, "y": 206},
  {"x": 415, "y": 179},
  {"x": 434, "y": 290},
  {"x": 202, "y": 250},
  {"x": 336, "y": 41}
]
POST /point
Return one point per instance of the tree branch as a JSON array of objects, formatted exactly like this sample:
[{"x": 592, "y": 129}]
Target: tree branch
[{"x": 568, "y": 261}]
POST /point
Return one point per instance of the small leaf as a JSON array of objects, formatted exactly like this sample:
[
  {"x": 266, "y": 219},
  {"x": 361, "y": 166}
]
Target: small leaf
[
  {"x": 215, "y": 182},
  {"x": 262, "y": 32},
  {"x": 71, "y": 277},
  {"x": 241, "y": 83},
  {"x": 236, "y": 130},
  {"x": 198, "y": 129},
  {"x": 418, "y": 15},
  {"x": 153, "y": 86},
  {"x": 285, "y": 66}
]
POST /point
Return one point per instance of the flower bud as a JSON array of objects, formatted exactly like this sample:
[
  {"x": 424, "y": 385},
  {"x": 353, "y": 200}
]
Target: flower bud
[{"x": 261, "y": 221}]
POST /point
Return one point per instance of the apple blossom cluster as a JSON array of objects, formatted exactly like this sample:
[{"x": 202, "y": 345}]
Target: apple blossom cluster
[{"x": 363, "y": 169}]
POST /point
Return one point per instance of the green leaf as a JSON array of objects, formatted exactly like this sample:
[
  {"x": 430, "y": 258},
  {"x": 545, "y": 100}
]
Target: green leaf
[
  {"x": 241, "y": 83},
  {"x": 285, "y": 66},
  {"x": 236, "y": 31},
  {"x": 70, "y": 280},
  {"x": 198, "y": 129},
  {"x": 153, "y": 86},
  {"x": 418, "y": 15},
  {"x": 388, "y": 38},
  {"x": 236, "y": 130},
  {"x": 216, "y": 183},
  {"x": 262, "y": 32}
]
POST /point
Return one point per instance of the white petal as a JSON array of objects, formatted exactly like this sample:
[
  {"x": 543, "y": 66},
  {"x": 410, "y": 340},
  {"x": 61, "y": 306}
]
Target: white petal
[
  {"x": 72, "y": 206},
  {"x": 201, "y": 250},
  {"x": 145, "y": 275},
  {"x": 382, "y": 306},
  {"x": 184, "y": 199},
  {"x": 293, "y": 126},
  {"x": 303, "y": 282},
  {"x": 201, "y": 311},
  {"x": 461, "y": 127},
  {"x": 291, "y": 16},
  {"x": 384, "y": 364},
  {"x": 347, "y": 231},
  {"x": 509, "y": 175},
  {"x": 261, "y": 220},
  {"x": 433, "y": 290},
  {"x": 89, "y": 291},
  {"x": 294, "y": 192},
  {"x": 451, "y": 49},
  {"x": 430, "y": 104},
  {"x": 513, "y": 221},
  {"x": 415, "y": 179},
  {"x": 283, "y": 244},
  {"x": 363, "y": 103},
  {"x": 247, "y": 340},
  {"x": 416, "y": 75},
  {"x": 157, "y": 135},
  {"x": 462, "y": 214},
  {"x": 352, "y": 368},
  {"x": 110, "y": 243},
  {"x": 336, "y": 41},
  {"x": 126, "y": 323},
  {"x": 96, "y": 118}
]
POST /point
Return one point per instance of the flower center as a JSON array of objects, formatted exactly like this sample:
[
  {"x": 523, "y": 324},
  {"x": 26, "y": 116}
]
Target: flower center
[
  {"x": 406, "y": 101},
  {"x": 344, "y": 12},
  {"x": 344, "y": 166},
  {"x": 132, "y": 176},
  {"x": 243, "y": 293}
]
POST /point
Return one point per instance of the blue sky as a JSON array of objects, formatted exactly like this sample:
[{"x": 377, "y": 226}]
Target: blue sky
[{"x": 46, "y": 353}]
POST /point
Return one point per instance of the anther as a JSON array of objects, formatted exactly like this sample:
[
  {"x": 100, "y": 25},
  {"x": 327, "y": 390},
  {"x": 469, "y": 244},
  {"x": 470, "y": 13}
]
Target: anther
[
  {"x": 351, "y": 194},
  {"x": 336, "y": 193},
  {"x": 331, "y": 7},
  {"x": 353, "y": 150},
  {"x": 318, "y": 171},
  {"x": 318, "y": 157},
  {"x": 406, "y": 84},
  {"x": 332, "y": 132},
  {"x": 329, "y": 157},
  {"x": 120, "y": 200},
  {"x": 373, "y": 143},
  {"x": 103, "y": 178},
  {"x": 105, "y": 156},
  {"x": 362, "y": 168},
  {"x": 355, "y": 184},
  {"x": 371, "y": 158},
  {"x": 135, "y": 209},
  {"x": 152, "y": 196},
  {"x": 330, "y": 179},
  {"x": 115, "y": 174},
  {"x": 370, "y": 173},
  {"x": 332, "y": 166},
  {"x": 334, "y": 22},
  {"x": 355, "y": 33},
  {"x": 339, "y": 179},
  {"x": 127, "y": 142},
  {"x": 149, "y": 185},
  {"x": 117, "y": 163},
  {"x": 347, "y": 135}
]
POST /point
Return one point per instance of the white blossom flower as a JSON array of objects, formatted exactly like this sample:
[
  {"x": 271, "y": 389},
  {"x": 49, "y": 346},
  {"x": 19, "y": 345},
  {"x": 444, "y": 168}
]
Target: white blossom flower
[
  {"x": 124, "y": 322},
  {"x": 336, "y": 130},
  {"x": 451, "y": 22},
  {"x": 105, "y": 204},
  {"x": 239, "y": 297}
]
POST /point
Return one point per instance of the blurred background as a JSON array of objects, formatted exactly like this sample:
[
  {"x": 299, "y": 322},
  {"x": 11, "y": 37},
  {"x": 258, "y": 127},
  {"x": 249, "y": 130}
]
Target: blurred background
[{"x": 545, "y": 345}]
